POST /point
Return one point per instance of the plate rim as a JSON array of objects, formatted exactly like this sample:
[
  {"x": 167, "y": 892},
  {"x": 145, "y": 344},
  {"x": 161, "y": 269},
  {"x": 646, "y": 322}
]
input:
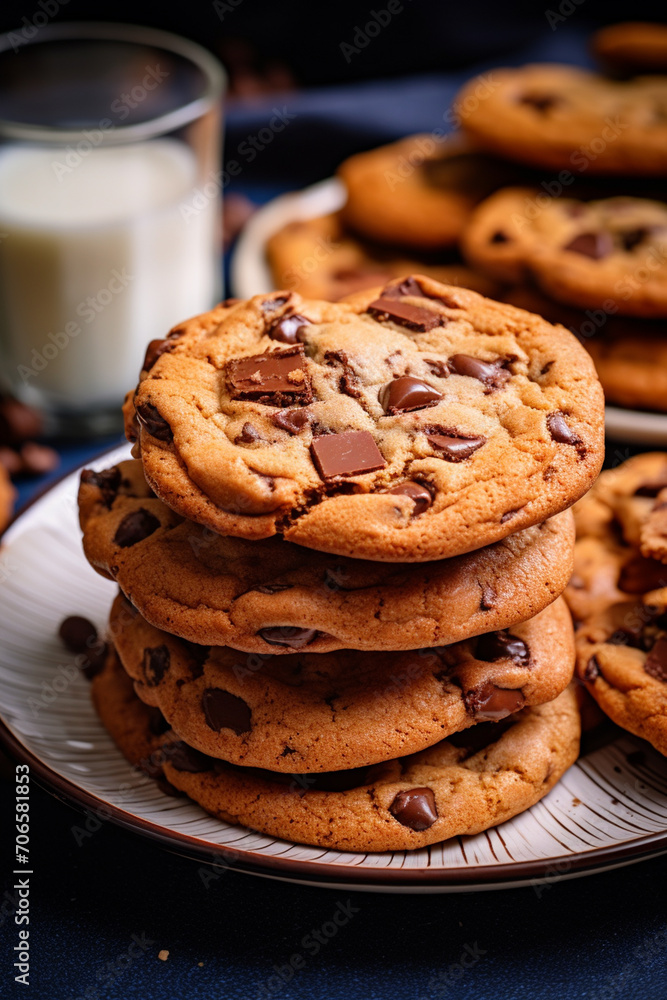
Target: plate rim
[{"x": 516, "y": 873}]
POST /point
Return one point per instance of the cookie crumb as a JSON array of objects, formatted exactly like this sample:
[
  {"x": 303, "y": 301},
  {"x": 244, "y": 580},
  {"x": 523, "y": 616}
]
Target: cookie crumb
[
  {"x": 200, "y": 964},
  {"x": 163, "y": 955}
]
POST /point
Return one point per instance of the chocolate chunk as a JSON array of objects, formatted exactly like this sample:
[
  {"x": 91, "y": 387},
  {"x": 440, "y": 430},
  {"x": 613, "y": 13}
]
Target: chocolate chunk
[
  {"x": 270, "y": 305},
  {"x": 560, "y": 431},
  {"x": 351, "y": 453},
  {"x": 651, "y": 489},
  {"x": 150, "y": 419},
  {"x": 185, "y": 758},
  {"x": 498, "y": 645},
  {"x": 288, "y": 635},
  {"x": 489, "y": 597},
  {"x": 454, "y": 447},
  {"x": 135, "y": 527},
  {"x": 593, "y": 245},
  {"x": 592, "y": 670},
  {"x": 349, "y": 381},
  {"x": 638, "y": 575},
  {"x": 155, "y": 349},
  {"x": 419, "y": 494},
  {"x": 633, "y": 237},
  {"x": 77, "y": 634},
  {"x": 656, "y": 661},
  {"x": 107, "y": 482},
  {"x": 499, "y": 237},
  {"x": 415, "y": 808},
  {"x": 437, "y": 367},
  {"x": 491, "y": 702},
  {"x": 273, "y": 588},
  {"x": 491, "y": 374},
  {"x": 408, "y": 286},
  {"x": 540, "y": 102},
  {"x": 248, "y": 435},
  {"x": 278, "y": 378},
  {"x": 407, "y": 393},
  {"x": 403, "y": 314},
  {"x": 156, "y": 663},
  {"x": 223, "y": 710},
  {"x": 287, "y": 328},
  {"x": 292, "y": 421}
]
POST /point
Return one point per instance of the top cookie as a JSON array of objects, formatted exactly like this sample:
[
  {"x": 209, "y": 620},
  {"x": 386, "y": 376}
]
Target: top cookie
[
  {"x": 565, "y": 118},
  {"x": 408, "y": 424},
  {"x": 609, "y": 254}
]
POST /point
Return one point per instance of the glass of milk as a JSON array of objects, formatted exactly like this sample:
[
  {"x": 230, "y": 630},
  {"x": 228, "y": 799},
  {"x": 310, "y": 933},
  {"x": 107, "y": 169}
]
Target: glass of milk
[{"x": 110, "y": 209}]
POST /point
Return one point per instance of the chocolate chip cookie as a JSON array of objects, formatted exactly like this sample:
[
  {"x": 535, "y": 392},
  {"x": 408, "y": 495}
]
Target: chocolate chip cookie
[
  {"x": 462, "y": 785},
  {"x": 630, "y": 355},
  {"x": 7, "y": 497},
  {"x": 410, "y": 423},
  {"x": 270, "y": 596},
  {"x": 321, "y": 259},
  {"x": 329, "y": 711},
  {"x": 564, "y": 118},
  {"x": 631, "y": 47},
  {"x": 419, "y": 192},
  {"x": 609, "y": 254}
]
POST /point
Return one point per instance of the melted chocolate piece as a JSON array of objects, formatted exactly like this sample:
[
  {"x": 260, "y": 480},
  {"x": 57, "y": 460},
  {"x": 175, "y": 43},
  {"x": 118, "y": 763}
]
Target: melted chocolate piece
[
  {"x": 454, "y": 447},
  {"x": 351, "y": 453},
  {"x": 107, "y": 482},
  {"x": 499, "y": 237},
  {"x": 77, "y": 634},
  {"x": 270, "y": 305},
  {"x": 651, "y": 489},
  {"x": 292, "y": 421},
  {"x": 287, "y": 328},
  {"x": 540, "y": 102},
  {"x": 488, "y": 598},
  {"x": 150, "y": 419},
  {"x": 223, "y": 710},
  {"x": 407, "y": 393},
  {"x": 135, "y": 527},
  {"x": 415, "y": 808},
  {"x": 408, "y": 286},
  {"x": 490, "y": 373},
  {"x": 491, "y": 702},
  {"x": 656, "y": 661},
  {"x": 154, "y": 350},
  {"x": 288, "y": 635},
  {"x": 593, "y": 245},
  {"x": 185, "y": 758},
  {"x": 560, "y": 431},
  {"x": 639, "y": 575},
  {"x": 498, "y": 645},
  {"x": 156, "y": 663},
  {"x": 437, "y": 367},
  {"x": 419, "y": 494},
  {"x": 248, "y": 435},
  {"x": 403, "y": 314},
  {"x": 348, "y": 382},
  {"x": 278, "y": 378},
  {"x": 592, "y": 670}
]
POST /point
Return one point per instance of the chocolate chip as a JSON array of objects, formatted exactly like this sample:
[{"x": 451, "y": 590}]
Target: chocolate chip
[
  {"x": 292, "y": 421},
  {"x": 593, "y": 245},
  {"x": 155, "y": 349},
  {"x": 288, "y": 635},
  {"x": 540, "y": 102},
  {"x": 135, "y": 527},
  {"x": 560, "y": 431},
  {"x": 652, "y": 488},
  {"x": 270, "y": 305},
  {"x": 437, "y": 367},
  {"x": 419, "y": 494},
  {"x": 454, "y": 447},
  {"x": 491, "y": 374},
  {"x": 407, "y": 393},
  {"x": 489, "y": 597},
  {"x": 273, "y": 588},
  {"x": 592, "y": 670},
  {"x": 351, "y": 453},
  {"x": 638, "y": 575},
  {"x": 633, "y": 237},
  {"x": 349, "y": 381},
  {"x": 287, "y": 328},
  {"x": 415, "y": 808},
  {"x": 151, "y": 420},
  {"x": 408, "y": 286},
  {"x": 156, "y": 663},
  {"x": 185, "y": 758},
  {"x": 77, "y": 634},
  {"x": 248, "y": 435},
  {"x": 491, "y": 702},
  {"x": 499, "y": 237},
  {"x": 498, "y": 645},
  {"x": 275, "y": 378},
  {"x": 656, "y": 661},
  {"x": 403, "y": 314},
  {"x": 223, "y": 710},
  {"x": 107, "y": 482}
]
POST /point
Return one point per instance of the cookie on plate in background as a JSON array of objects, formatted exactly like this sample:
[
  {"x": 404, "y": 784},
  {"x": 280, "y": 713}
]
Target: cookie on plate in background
[{"x": 631, "y": 48}]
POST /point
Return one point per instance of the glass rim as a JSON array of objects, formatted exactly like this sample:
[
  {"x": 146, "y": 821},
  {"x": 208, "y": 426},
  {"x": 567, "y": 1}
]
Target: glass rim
[{"x": 214, "y": 73}]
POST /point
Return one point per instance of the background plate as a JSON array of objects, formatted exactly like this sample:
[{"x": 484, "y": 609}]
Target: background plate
[
  {"x": 608, "y": 810},
  {"x": 250, "y": 275}
]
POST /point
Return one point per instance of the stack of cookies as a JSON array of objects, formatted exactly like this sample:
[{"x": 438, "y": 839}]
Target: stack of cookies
[{"x": 341, "y": 546}]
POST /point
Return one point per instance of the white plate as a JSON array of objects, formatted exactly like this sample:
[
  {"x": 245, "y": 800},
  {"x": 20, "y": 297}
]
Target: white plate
[
  {"x": 609, "y": 809},
  {"x": 250, "y": 275}
]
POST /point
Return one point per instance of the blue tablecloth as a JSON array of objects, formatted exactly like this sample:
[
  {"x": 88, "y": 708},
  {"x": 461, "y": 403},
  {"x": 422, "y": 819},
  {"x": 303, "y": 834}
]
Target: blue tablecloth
[{"x": 101, "y": 912}]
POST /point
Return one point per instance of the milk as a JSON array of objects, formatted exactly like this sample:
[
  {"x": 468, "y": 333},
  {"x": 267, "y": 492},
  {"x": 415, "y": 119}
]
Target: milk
[{"x": 99, "y": 253}]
